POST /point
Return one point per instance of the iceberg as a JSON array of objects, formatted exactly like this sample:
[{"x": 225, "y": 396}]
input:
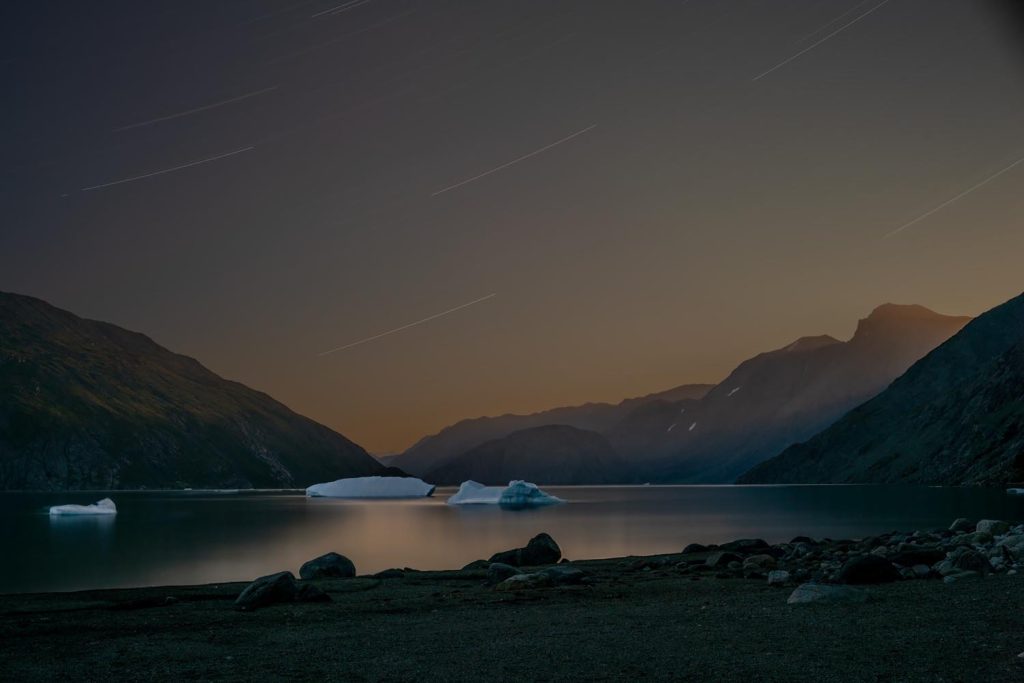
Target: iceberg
[
  {"x": 372, "y": 487},
  {"x": 518, "y": 494},
  {"x": 103, "y": 507}
]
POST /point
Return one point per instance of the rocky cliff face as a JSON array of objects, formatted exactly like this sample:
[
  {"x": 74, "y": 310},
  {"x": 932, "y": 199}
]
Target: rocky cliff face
[
  {"x": 956, "y": 417},
  {"x": 89, "y": 405}
]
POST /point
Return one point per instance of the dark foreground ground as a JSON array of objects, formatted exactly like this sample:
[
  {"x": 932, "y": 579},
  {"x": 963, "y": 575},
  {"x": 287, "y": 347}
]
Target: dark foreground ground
[{"x": 626, "y": 625}]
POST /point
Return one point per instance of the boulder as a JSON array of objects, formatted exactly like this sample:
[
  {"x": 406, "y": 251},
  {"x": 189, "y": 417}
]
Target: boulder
[
  {"x": 995, "y": 527},
  {"x": 721, "y": 559},
  {"x": 759, "y": 563},
  {"x": 541, "y": 550},
  {"x": 817, "y": 592},
  {"x": 476, "y": 565},
  {"x": 866, "y": 569},
  {"x": 329, "y": 566},
  {"x": 695, "y": 548},
  {"x": 802, "y": 539},
  {"x": 499, "y": 571},
  {"x": 268, "y": 590},
  {"x": 778, "y": 577},
  {"x": 972, "y": 561}
]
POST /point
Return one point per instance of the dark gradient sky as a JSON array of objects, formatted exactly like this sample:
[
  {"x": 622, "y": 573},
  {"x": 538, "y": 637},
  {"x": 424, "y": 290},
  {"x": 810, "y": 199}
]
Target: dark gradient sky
[{"x": 705, "y": 218}]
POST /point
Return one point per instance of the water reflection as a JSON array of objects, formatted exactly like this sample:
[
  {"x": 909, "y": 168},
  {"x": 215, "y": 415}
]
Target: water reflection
[{"x": 203, "y": 537}]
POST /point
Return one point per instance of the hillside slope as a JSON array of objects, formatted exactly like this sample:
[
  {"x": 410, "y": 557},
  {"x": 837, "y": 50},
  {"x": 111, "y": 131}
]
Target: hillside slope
[
  {"x": 956, "y": 417},
  {"x": 89, "y": 405}
]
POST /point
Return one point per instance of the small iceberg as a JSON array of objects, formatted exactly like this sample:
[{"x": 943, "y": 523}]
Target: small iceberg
[
  {"x": 372, "y": 487},
  {"x": 103, "y": 507},
  {"x": 518, "y": 494}
]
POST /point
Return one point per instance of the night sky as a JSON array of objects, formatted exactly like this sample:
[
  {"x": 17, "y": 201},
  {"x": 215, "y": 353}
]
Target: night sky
[{"x": 614, "y": 197}]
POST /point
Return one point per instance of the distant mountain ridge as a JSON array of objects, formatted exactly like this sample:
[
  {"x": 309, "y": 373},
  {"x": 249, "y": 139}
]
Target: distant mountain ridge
[
  {"x": 89, "y": 405},
  {"x": 956, "y": 417},
  {"x": 779, "y": 398},
  {"x": 713, "y": 435},
  {"x": 553, "y": 454},
  {"x": 452, "y": 441}
]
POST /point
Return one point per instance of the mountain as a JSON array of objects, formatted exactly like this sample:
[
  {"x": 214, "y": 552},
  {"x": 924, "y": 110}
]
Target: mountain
[
  {"x": 955, "y": 417},
  {"x": 89, "y": 405},
  {"x": 552, "y": 454},
  {"x": 777, "y": 398},
  {"x": 453, "y": 441}
]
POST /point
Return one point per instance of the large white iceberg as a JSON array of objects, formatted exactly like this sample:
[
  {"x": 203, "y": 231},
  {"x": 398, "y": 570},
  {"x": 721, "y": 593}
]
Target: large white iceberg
[
  {"x": 518, "y": 494},
  {"x": 372, "y": 487},
  {"x": 103, "y": 507}
]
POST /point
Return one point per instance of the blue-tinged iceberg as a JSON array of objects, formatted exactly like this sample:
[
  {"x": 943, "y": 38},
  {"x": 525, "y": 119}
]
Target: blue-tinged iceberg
[
  {"x": 518, "y": 494},
  {"x": 372, "y": 487},
  {"x": 103, "y": 507}
]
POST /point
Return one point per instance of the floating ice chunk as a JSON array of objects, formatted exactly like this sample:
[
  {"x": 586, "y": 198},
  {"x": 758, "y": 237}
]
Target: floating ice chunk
[
  {"x": 518, "y": 494},
  {"x": 103, "y": 507},
  {"x": 372, "y": 487},
  {"x": 1015, "y": 492}
]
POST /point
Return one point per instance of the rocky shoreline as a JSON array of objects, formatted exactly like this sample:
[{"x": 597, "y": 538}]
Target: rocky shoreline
[
  {"x": 904, "y": 606},
  {"x": 966, "y": 550}
]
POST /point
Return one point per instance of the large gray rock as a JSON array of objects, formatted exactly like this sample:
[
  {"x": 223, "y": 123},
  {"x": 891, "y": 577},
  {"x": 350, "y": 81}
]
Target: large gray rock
[
  {"x": 721, "y": 559},
  {"x": 541, "y": 550},
  {"x": 817, "y": 592},
  {"x": 995, "y": 527},
  {"x": 972, "y": 561},
  {"x": 329, "y": 566},
  {"x": 564, "y": 574},
  {"x": 866, "y": 569},
  {"x": 268, "y": 590},
  {"x": 778, "y": 577}
]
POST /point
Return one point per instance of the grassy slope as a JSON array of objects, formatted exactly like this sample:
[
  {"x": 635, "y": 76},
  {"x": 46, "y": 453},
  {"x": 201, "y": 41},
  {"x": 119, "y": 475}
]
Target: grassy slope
[{"x": 87, "y": 404}]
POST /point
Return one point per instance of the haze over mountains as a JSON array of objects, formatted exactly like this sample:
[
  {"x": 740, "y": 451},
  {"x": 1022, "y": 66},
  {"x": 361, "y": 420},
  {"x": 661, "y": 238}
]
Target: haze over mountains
[
  {"x": 692, "y": 434},
  {"x": 956, "y": 417},
  {"x": 89, "y": 405}
]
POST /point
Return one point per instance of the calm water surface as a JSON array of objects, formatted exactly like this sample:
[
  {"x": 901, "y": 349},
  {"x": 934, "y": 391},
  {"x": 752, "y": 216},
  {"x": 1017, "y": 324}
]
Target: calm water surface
[{"x": 163, "y": 538}]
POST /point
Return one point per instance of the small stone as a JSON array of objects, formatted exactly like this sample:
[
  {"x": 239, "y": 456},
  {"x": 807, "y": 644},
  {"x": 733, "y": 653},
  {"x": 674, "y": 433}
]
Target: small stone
[
  {"x": 817, "y": 592},
  {"x": 962, "y": 524},
  {"x": 524, "y": 582}
]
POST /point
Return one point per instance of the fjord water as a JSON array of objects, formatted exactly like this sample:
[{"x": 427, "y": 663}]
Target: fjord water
[{"x": 192, "y": 537}]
